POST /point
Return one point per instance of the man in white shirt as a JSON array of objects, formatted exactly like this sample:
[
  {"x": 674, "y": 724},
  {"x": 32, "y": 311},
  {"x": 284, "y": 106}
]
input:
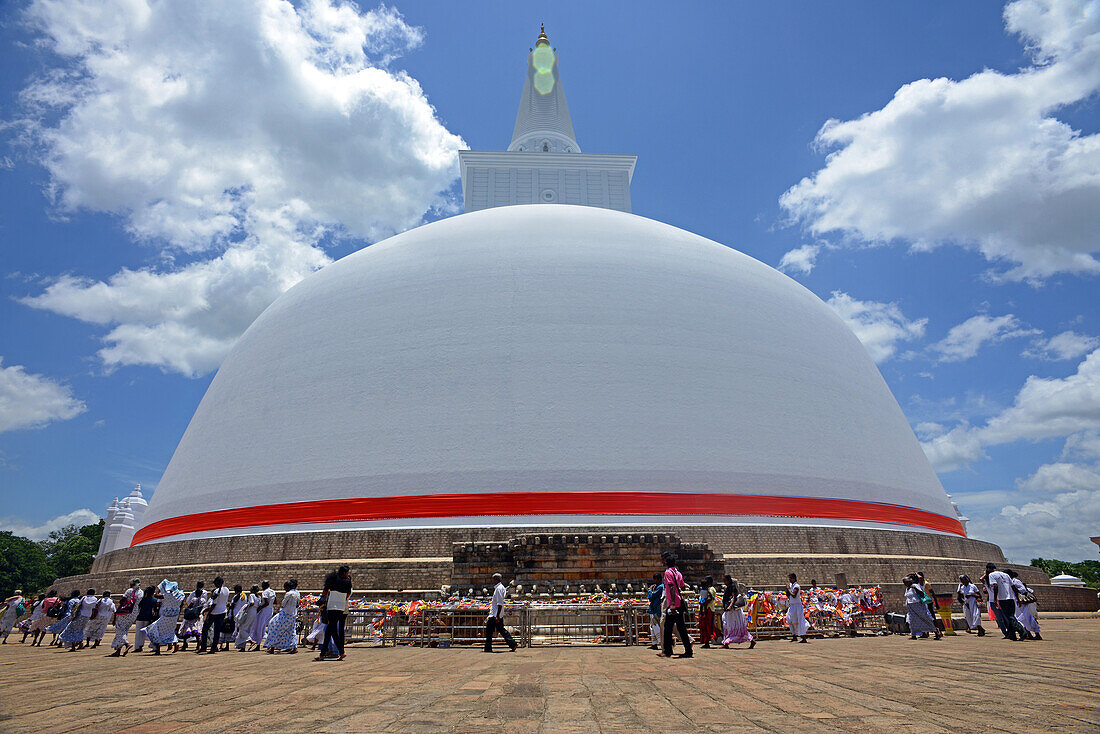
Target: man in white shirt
[
  {"x": 1000, "y": 590},
  {"x": 219, "y": 602},
  {"x": 495, "y": 620}
]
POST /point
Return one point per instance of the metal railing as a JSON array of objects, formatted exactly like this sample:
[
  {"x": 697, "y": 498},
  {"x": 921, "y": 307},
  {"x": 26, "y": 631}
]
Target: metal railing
[{"x": 559, "y": 624}]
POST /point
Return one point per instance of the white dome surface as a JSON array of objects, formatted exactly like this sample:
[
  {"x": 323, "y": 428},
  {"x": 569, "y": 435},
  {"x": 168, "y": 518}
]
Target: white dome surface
[{"x": 546, "y": 364}]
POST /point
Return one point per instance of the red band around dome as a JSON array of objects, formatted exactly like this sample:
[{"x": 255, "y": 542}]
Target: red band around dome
[{"x": 490, "y": 504}]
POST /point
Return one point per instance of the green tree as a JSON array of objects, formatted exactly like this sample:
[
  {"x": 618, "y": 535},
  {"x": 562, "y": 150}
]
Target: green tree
[
  {"x": 72, "y": 549},
  {"x": 1087, "y": 571},
  {"x": 25, "y": 565}
]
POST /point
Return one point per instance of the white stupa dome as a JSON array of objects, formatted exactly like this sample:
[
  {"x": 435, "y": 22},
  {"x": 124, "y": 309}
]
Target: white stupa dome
[{"x": 546, "y": 364}]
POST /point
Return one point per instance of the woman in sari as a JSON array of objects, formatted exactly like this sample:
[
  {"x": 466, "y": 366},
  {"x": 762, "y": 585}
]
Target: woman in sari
[
  {"x": 281, "y": 630},
  {"x": 920, "y": 619},
  {"x": 246, "y": 619},
  {"x": 127, "y": 612},
  {"x": 1025, "y": 610},
  {"x": 79, "y": 614},
  {"x": 796, "y": 613},
  {"x": 11, "y": 614},
  {"x": 163, "y": 631},
  {"x": 735, "y": 628},
  {"x": 969, "y": 595},
  {"x": 63, "y": 621}
]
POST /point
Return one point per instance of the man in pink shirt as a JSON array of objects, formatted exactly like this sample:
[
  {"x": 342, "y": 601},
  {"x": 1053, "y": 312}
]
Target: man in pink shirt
[{"x": 675, "y": 608}]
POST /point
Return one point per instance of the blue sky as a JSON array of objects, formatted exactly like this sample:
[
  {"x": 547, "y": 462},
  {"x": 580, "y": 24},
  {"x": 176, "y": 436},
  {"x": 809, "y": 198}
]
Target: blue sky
[{"x": 165, "y": 172}]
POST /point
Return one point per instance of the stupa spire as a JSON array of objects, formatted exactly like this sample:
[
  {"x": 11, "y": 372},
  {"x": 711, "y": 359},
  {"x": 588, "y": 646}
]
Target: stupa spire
[{"x": 543, "y": 124}]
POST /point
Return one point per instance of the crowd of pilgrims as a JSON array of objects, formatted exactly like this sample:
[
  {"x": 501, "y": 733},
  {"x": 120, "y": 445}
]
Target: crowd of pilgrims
[
  {"x": 166, "y": 618},
  {"x": 163, "y": 617}
]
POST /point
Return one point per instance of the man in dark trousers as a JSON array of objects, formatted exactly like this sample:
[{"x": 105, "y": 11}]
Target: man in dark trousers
[
  {"x": 219, "y": 603},
  {"x": 495, "y": 620},
  {"x": 675, "y": 608},
  {"x": 335, "y": 594}
]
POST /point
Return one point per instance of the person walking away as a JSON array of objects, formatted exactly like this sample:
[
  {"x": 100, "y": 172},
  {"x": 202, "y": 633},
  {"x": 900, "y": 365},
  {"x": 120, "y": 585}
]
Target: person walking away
[
  {"x": 192, "y": 613},
  {"x": 1025, "y": 607},
  {"x": 495, "y": 620},
  {"x": 219, "y": 603},
  {"x": 1000, "y": 584},
  {"x": 931, "y": 594},
  {"x": 920, "y": 619},
  {"x": 674, "y": 610},
  {"x": 101, "y": 617},
  {"x": 708, "y": 604},
  {"x": 655, "y": 595},
  {"x": 265, "y": 607},
  {"x": 162, "y": 632},
  {"x": 125, "y": 616},
  {"x": 73, "y": 636},
  {"x": 58, "y": 627},
  {"x": 968, "y": 596},
  {"x": 14, "y": 610},
  {"x": 147, "y": 612},
  {"x": 282, "y": 629},
  {"x": 228, "y": 634},
  {"x": 335, "y": 595},
  {"x": 735, "y": 626},
  {"x": 246, "y": 618},
  {"x": 991, "y": 596},
  {"x": 37, "y": 613},
  {"x": 796, "y": 613}
]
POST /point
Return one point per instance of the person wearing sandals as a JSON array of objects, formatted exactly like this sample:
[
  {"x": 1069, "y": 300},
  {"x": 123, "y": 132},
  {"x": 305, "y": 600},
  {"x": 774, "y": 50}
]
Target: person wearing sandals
[
  {"x": 796, "y": 613},
  {"x": 735, "y": 628},
  {"x": 282, "y": 629},
  {"x": 162, "y": 632},
  {"x": 125, "y": 617},
  {"x": 246, "y": 618},
  {"x": 968, "y": 596},
  {"x": 920, "y": 619},
  {"x": 265, "y": 607}
]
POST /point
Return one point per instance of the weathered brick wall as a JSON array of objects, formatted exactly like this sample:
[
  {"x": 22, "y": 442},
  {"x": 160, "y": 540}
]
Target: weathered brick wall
[{"x": 422, "y": 558}]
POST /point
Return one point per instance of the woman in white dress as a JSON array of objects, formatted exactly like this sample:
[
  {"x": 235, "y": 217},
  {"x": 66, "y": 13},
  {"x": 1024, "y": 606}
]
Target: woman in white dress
[
  {"x": 11, "y": 614},
  {"x": 282, "y": 629},
  {"x": 1025, "y": 610},
  {"x": 968, "y": 595},
  {"x": 101, "y": 617},
  {"x": 73, "y": 636},
  {"x": 796, "y": 614},
  {"x": 246, "y": 618},
  {"x": 265, "y": 607},
  {"x": 162, "y": 632},
  {"x": 124, "y": 618}
]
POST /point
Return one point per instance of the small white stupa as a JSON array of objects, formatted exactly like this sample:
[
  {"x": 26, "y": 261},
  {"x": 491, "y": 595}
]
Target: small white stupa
[{"x": 1064, "y": 579}]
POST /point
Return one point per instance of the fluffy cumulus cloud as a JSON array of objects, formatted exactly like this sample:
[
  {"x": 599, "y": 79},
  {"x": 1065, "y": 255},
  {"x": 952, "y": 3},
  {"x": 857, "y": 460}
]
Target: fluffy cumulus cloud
[
  {"x": 964, "y": 340},
  {"x": 234, "y": 137},
  {"x": 1067, "y": 345},
  {"x": 1044, "y": 408},
  {"x": 983, "y": 162},
  {"x": 880, "y": 326},
  {"x": 800, "y": 260},
  {"x": 41, "y": 532},
  {"x": 28, "y": 400},
  {"x": 1057, "y": 513}
]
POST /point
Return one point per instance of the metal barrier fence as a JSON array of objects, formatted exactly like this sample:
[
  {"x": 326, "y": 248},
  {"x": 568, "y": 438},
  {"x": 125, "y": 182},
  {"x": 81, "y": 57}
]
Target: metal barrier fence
[{"x": 562, "y": 624}]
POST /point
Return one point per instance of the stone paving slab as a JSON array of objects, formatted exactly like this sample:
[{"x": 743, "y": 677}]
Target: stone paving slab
[{"x": 961, "y": 684}]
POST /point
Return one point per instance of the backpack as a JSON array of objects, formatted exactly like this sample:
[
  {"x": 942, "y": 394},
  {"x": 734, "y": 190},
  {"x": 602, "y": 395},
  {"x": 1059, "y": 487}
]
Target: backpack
[
  {"x": 57, "y": 611},
  {"x": 127, "y": 605}
]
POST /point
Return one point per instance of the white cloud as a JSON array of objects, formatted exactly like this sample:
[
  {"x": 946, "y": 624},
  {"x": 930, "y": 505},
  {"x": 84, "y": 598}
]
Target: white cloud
[
  {"x": 237, "y": 137},
  {"x": 880, "y": 326},
  {"x": 1067, "y": 345},
  {"x": 1043, "y": 408},
  {"x": 31, "y": 401},
  {"x": 1055, "y": 524},
  {"x": 41, "y": 532},
  {"x": 981, "y": 162},
  {"x": 964, "y": 340},
  {"x": 800, "y": 260}
]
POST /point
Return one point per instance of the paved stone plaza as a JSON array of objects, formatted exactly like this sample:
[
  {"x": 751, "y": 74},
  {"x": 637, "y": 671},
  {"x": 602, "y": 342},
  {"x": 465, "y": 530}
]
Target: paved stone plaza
[{"x": 961, "y": 684}]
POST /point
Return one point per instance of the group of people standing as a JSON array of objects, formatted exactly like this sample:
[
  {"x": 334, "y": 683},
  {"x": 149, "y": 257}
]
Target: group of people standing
[{"x": 668, "y": 612}]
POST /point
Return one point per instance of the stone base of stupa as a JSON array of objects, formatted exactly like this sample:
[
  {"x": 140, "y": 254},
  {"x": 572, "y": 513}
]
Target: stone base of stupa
[{"x": 415, "y": 562}]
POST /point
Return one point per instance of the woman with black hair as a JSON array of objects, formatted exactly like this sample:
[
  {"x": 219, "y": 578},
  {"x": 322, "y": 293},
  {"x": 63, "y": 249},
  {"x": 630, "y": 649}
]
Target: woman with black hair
[
  {"x": 147, "y": 612},
  {"x": 282, "y": 629},
  {"x": 735, "y": 628}
]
